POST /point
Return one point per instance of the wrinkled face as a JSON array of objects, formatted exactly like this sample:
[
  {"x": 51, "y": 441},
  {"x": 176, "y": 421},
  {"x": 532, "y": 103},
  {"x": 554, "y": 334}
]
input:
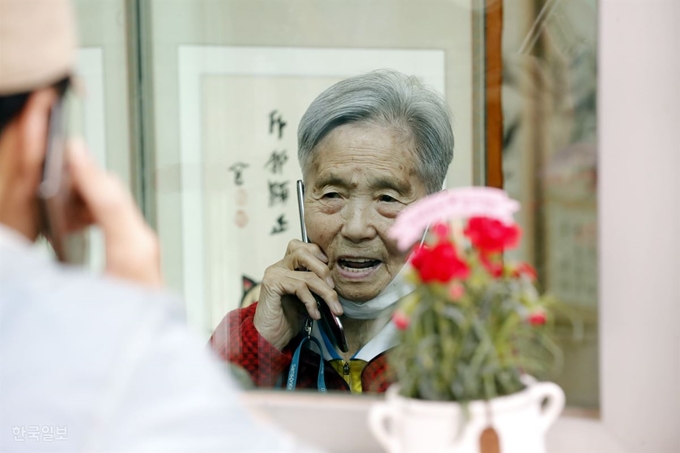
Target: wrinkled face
[{"x": 361, "y": 176}]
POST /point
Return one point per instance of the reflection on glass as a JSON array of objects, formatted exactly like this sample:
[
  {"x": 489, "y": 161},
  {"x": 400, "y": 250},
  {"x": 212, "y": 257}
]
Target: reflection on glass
[{"x": 550, "y": 165}]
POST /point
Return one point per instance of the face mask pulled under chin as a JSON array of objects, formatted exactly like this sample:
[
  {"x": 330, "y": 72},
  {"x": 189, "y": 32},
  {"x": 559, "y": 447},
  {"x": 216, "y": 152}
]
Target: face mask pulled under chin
[
  {"x": 381, "y": 303},
  {"x": 386, "y": 299}
]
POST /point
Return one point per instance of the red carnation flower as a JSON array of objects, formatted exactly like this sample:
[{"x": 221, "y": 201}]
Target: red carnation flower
[
  {"x": 456, "y": 291},
  {"x": 493, "y": 268},
  {"x": 439, "y": 263},
  {"x": 537, "y": 318},
  {"x": 442, "y": 231},
  {"x": 491, "y": 235},
  {"x": 400, "y": 320},
  {"x": 525, "y": 269}
]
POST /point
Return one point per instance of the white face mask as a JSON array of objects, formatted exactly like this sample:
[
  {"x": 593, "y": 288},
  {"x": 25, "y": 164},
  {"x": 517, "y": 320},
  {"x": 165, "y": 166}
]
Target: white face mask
[{"x": 373, "y": 308}]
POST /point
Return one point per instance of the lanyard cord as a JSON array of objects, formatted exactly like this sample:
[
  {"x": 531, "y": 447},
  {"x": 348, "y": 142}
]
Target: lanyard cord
[{"x": 295, "y": 364}]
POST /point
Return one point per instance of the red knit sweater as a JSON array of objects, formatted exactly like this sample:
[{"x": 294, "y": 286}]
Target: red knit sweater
[{"x": 237, "y": 341}]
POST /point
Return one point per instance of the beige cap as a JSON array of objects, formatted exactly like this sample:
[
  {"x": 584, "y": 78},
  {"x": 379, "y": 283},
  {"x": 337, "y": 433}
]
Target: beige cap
[{"x": 37, "y": 43}]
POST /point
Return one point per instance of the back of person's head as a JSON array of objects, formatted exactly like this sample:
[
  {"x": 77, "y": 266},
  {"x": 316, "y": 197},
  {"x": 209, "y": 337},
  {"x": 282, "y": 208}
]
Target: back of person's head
[
  {"x": 37, "y": 50},
  {"x": 388, "y": 98}
]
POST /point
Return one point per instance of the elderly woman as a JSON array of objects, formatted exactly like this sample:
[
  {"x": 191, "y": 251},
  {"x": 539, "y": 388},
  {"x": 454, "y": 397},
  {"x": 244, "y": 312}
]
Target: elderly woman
[{"x": 368, "y": 147}]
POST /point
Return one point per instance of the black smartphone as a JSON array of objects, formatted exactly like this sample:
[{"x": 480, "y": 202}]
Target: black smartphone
[
  {"x": 56, "y": 196},
  {"x": 330, "y": 323}
]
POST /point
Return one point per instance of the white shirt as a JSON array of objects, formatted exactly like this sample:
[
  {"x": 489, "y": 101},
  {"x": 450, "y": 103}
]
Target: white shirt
[{"x": 110, "y": 365}]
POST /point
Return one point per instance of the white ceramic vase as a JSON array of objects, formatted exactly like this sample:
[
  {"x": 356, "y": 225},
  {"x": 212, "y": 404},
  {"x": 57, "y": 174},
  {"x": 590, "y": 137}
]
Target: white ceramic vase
[{"x": 407, "y": 425}]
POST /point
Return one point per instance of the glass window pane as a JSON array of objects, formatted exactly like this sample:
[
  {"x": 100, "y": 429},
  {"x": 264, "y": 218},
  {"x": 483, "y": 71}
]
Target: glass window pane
[{"x": 225, "y": 82}]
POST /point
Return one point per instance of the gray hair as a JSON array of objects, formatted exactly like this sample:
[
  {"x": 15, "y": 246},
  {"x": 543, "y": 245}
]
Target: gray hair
[{"x": 389, "y": 98}]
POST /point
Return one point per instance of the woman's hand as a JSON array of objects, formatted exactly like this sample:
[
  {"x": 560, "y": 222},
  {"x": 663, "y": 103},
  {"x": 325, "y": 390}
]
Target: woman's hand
[{"x": 286, "y": 292}]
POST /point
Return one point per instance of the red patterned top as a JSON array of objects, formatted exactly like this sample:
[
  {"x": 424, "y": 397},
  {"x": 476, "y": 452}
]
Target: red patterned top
[{"x": 237, "y": 341}]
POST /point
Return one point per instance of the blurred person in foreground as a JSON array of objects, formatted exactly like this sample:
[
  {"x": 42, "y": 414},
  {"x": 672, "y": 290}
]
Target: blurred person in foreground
[
  {"x": 368, "y": 147},
  {"x": 97, "y": 363}
]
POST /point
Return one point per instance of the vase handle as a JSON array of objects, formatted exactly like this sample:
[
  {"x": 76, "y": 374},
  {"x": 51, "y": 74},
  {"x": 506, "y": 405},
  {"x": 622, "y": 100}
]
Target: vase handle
[
  {"x": 553, "y": 408},
  {"x": 378, "y": 417}
]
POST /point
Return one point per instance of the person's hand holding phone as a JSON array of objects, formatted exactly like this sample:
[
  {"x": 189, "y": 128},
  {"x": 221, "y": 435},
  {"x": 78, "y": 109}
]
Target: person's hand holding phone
[
  {"x": 132, "y": 248},
  {"x": 286, "y": 292}
]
